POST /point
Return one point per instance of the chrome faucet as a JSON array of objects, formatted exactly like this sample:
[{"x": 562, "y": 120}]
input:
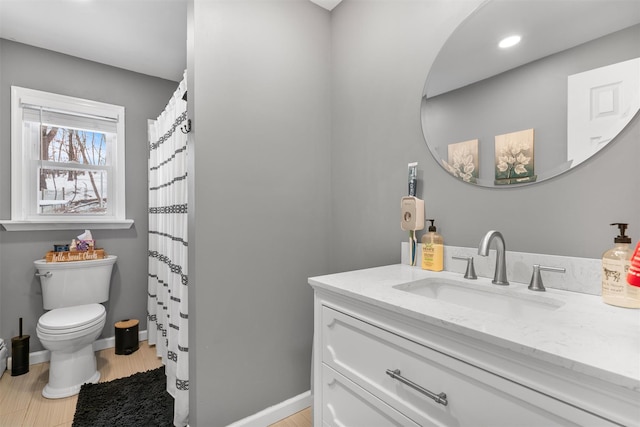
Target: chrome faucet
[{"x": 500, "y": 275}]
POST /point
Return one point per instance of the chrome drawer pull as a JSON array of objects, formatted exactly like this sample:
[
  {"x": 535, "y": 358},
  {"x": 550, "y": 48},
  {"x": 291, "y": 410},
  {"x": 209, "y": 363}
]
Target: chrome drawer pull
[{"x": 439, "y": 398}]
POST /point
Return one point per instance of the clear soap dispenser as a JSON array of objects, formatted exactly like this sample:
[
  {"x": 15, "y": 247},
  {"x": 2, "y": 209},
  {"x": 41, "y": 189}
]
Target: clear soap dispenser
[
  {"x": 432, "y": 249},
  {"x": 615, "y": 265}
]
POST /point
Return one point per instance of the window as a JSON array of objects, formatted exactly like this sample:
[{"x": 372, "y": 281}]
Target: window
[{"x": 67, "y": 162}]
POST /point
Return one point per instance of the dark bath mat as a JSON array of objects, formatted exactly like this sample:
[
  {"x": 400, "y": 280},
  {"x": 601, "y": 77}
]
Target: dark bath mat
[{"x": 138, "y": 400}]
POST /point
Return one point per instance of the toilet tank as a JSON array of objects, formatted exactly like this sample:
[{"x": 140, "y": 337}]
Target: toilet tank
[{"x": 65, "y": 284}]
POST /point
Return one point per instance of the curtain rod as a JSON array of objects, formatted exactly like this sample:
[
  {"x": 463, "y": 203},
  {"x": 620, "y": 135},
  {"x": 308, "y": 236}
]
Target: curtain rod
[{"x": 69, "y": 113}]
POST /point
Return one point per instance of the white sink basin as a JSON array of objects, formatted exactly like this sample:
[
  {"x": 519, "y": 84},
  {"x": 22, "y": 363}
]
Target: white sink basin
[{"x": 488, "y": 298}]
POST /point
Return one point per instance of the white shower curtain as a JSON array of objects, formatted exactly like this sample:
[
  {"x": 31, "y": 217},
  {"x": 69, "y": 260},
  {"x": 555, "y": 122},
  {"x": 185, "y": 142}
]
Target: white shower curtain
[{"x": 167, "y": 305}]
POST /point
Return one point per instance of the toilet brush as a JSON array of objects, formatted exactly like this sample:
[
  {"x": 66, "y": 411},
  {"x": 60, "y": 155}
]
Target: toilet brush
[{"x": 19, "y": 353}]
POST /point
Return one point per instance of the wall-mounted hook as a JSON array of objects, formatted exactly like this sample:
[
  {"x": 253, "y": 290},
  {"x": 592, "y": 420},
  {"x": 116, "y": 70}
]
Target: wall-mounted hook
[{"x": 186, "y": 128}]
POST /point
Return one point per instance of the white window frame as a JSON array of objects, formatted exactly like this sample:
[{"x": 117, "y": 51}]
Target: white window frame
[{"x": 24, "y": 214}]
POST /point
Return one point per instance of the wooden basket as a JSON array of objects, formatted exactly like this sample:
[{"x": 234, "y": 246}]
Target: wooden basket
[{"x": 69, "y": 256}]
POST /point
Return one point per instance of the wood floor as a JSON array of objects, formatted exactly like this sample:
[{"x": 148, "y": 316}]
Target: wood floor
[
  {"x": 300, "y": 419},
  {"x": 21, "y": 401},
  {"x": 22, "y": 404}
]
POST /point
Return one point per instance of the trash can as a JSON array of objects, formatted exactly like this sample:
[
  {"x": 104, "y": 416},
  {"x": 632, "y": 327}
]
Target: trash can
[{"x": 127, "y": 336}]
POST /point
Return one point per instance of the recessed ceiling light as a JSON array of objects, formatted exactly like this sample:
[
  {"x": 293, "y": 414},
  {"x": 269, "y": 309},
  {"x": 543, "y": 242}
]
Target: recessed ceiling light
[{"x": 509, "y": 41}]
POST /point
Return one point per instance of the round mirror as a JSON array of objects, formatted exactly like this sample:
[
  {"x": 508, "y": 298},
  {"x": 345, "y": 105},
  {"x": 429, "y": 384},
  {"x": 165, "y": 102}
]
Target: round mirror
[{"x": 566, "y": 83}]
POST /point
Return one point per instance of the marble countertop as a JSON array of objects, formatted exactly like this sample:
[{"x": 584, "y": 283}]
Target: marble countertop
[{"x": 583, "y": 334}]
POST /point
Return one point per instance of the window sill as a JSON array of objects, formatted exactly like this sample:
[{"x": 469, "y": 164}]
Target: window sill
[{"x": 66, "y": 225}]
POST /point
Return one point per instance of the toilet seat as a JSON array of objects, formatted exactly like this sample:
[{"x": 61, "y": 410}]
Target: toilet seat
[{"x": 71, "y": 319}]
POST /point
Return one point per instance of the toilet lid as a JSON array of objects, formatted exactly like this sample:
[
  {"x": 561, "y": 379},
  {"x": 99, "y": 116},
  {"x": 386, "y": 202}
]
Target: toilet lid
[{"x": 71, "y": 317}]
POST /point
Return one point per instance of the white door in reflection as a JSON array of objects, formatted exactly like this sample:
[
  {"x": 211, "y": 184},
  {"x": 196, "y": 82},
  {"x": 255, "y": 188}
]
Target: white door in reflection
[{"x": 600, "y": 103}]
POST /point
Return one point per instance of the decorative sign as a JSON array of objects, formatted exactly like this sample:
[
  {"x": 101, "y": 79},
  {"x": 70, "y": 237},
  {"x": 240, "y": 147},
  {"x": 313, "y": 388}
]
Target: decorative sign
[{"x": 68, "y": 256}]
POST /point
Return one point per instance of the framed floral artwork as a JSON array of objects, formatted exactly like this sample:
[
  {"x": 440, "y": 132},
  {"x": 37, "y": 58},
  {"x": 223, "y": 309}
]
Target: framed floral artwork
[
  {"x": 514, "y": 158},
  {"x": 462, "y": 160}
]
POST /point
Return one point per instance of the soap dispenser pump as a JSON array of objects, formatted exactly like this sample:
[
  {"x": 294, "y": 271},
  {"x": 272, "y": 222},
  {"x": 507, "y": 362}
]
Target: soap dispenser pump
[
  {"x": 432, "y": 249},
  {"x": 615, "y": 265}
]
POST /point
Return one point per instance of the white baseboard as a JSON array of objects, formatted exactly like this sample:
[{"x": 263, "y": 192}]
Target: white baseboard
[
  {"x": 276, "y": 412},
  {"x": 101, "y": 344}
]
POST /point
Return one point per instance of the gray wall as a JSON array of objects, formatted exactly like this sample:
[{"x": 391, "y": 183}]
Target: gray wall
[
  {"x": 261, "y": 197},
  {"x": 143, "y": 97},
  {"x": 283, "y": 192},
  {"x": 382, "y": 51}
]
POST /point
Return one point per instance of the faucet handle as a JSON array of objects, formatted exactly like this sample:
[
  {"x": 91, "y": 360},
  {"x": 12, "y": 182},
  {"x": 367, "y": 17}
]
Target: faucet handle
[
  {"x": 536, "y": 278},
  {"x": 471, "y": 271}
]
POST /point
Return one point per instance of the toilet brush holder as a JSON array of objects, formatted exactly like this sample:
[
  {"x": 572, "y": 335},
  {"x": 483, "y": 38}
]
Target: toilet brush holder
[{"x": 19, "y": 354}]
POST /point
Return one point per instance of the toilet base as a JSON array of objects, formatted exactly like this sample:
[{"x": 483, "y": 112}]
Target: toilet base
[{"x": 68, "y": 371}]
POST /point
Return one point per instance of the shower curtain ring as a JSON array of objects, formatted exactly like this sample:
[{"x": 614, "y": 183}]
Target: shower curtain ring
[{"x": 186, "y": 128}]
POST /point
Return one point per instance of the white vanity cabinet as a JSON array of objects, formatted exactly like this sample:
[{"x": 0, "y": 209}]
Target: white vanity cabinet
[
  {"x": 375, "y": 367},
  {"x": 361, "y": 354}
]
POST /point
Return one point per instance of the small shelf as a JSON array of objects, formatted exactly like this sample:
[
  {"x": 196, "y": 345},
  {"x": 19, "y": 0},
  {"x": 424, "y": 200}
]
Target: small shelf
[{"x": 66, "y": 225}]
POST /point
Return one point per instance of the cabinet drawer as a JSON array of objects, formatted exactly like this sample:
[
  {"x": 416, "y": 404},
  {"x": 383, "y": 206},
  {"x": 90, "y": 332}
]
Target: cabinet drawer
[
  {"x": 364, "y": 353},
  {"x": 344, "y": 404}
]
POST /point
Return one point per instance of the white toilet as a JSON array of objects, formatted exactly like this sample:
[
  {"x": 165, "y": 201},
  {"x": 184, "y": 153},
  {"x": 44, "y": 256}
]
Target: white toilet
[{"x": 73, "y": 293}]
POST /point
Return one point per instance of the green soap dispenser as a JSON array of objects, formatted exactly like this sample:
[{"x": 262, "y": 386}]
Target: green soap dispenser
[
  {"x": 615, "y": 265},
  {"x": 432, "y": 249}
]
